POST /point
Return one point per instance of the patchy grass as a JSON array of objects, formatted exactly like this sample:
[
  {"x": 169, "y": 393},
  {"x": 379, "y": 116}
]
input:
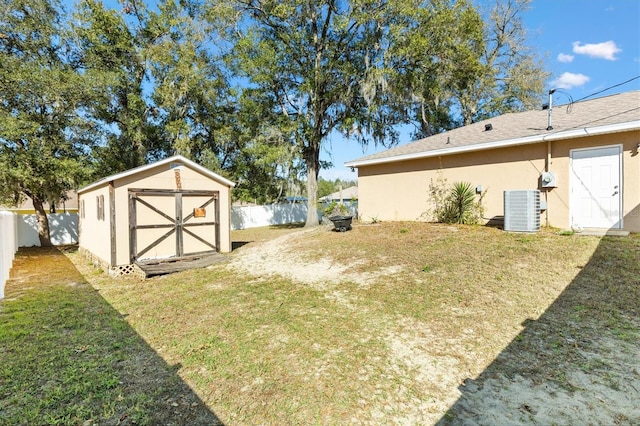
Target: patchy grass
[
  {"x": 67, "y": 357},
  {"x": 388, "y": 323}
]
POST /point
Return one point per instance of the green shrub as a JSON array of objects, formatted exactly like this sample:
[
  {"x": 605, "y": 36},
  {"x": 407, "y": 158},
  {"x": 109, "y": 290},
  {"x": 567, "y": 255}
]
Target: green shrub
[
  {"x": 334, "y": 209},
  {"x": 456, "y": 203}
]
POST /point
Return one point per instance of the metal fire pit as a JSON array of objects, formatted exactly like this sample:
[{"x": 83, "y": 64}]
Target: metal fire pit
[{"x": 341, "y": 223}]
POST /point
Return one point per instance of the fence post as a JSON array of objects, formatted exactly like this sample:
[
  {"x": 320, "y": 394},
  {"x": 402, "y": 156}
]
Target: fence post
[{"x": 8, "y": 245}]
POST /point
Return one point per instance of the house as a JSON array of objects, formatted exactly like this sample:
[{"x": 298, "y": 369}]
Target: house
[
  {"x": 583, "y": 157},
  {"x": 346, "y": 194},
  {"x": 67, "y": 204},
  {"x": 173, "y": 208}
]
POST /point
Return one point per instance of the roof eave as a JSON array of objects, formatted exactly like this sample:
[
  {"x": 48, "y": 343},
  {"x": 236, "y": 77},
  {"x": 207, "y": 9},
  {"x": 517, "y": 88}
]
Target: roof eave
[
  {"x": 175, "y": 158},
  {"x": 567, "y": 134}
]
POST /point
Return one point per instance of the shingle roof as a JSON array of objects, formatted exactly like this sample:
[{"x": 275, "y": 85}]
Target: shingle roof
[
  {"x": 345, "y": 194},
  {"x": 602, "y": 115}
]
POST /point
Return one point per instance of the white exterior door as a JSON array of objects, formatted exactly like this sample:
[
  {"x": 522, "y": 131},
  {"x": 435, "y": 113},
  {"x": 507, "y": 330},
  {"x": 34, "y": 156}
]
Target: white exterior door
[{"x": 596, "y": 188}]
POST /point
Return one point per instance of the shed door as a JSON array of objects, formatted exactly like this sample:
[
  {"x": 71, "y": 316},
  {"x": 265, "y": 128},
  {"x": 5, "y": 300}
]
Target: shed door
[
  {"x": 172, "y": 223},
  {"x": 596, "y": 188}
]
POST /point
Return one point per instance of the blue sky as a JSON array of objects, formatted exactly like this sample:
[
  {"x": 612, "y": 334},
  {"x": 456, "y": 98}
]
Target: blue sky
[{"x": 587, "y": 46}]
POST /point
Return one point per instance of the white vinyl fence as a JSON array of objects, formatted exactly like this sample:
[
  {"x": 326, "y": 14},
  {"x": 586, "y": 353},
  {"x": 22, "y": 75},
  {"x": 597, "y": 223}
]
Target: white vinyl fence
[
  {"x": 243, "y": 217},
  {"x": 8, "y": 245},
  {"x": 22, "y": 231},
  {"x": 63, "y": 229}
]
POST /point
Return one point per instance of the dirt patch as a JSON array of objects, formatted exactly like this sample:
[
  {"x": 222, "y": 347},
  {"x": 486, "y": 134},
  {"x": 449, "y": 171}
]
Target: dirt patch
[
  {"x": 529, "y": 356},
  {"x": 283, "y": 256}
]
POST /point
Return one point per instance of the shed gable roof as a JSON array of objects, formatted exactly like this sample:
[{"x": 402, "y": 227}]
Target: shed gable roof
[
  {"x": 174, "y": 159},
  {"x": 608, "y": 114}
]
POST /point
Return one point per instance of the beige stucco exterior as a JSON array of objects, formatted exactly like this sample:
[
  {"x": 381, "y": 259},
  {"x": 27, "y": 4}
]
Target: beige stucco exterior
[
  {"x": 398, "y": 190},
  {"x": 108, "y": 237}
]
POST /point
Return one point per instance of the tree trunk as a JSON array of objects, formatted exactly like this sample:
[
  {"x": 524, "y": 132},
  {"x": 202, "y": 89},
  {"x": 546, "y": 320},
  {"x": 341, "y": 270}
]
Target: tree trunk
[
  {"x": 312, "y": 159},
  {"x": 43, "y": 222}
]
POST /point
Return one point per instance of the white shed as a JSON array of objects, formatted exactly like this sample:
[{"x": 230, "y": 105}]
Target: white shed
[{"x": 171, "y": 209}]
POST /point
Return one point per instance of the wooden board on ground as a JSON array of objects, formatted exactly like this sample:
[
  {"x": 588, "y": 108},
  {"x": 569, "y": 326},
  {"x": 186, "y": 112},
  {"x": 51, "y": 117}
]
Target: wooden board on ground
[{"x": 175, "y": 264}]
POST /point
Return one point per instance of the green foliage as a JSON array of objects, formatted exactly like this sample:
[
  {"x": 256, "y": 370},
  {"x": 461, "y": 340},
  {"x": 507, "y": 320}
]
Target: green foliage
[
  {"x": 311, "y": 60},
  {"x": 334, "y": 209},
  {"x": 456, "y": 203},
  {"x": 451, "y": 63},
  {"x": 251, "y": 89},
  {"x": 326, "y": 187},
  {"x": 114, "y": 51},
  {"x": 44, "y": 136}
]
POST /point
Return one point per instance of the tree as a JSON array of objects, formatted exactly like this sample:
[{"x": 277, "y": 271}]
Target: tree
[
  {"x": 313, "y": 59},
  {"x": 326, "y": 187},
  {"x": 114, "y": 55},
  {"x": 512, "y": 75},
  {"x": 450, "y": 64},
  {"x": 264, "y": 159},
  {"x": 434, "y": 46},
  {"x": 43, "y": 138}
]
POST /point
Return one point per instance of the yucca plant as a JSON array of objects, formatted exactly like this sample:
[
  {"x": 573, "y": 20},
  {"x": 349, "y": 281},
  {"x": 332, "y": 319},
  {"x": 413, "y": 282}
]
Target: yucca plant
[{"x": 462, "y": 200}]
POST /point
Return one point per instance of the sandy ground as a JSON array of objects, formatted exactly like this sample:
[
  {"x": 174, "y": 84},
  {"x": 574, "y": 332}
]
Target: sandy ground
[{"x": 440, "y": 381}]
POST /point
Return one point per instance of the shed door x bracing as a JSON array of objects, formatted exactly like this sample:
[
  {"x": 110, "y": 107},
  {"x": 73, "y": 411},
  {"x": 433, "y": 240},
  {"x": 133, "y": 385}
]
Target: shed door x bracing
[
  {"x": 596, "y": 187},
  {"x": 172, "y": 223}
]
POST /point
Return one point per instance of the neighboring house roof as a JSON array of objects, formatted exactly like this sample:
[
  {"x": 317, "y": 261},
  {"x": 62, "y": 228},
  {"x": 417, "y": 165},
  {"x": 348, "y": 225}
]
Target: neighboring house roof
[
  {"x": 346, "y": 194},
  {"x": 71, "y": 203},
  {"x": 174, "y": 159},
  {"x": 608, "y": 114}
]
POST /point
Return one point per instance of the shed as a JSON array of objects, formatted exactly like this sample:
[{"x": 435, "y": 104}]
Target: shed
[
  {"x": 582, "y": 157},
  {"x": 172, "y": 209}
]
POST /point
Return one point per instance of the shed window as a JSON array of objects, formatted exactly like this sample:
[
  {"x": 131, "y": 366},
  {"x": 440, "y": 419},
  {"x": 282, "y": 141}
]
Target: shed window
[
  {"x": 100, "y": 207},
  {"x": 82, "y": 209}
]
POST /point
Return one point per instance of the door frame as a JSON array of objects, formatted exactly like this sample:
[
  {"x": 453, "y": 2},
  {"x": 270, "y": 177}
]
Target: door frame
[
  {"x": 573, "y": 183},
  {"x": 176, "y": 225}
]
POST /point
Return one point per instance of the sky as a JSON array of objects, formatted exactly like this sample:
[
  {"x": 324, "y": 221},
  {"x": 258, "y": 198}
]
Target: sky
[{"x": 587, "y": 46}]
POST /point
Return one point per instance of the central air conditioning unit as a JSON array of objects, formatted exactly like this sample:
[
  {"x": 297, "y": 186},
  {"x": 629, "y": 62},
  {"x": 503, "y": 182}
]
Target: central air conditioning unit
[{"x": 522, "y": 210}]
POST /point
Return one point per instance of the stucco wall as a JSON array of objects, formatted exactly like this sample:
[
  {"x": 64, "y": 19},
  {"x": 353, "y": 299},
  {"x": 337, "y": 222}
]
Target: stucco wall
[
  {"x": 399, "y": 191},
  {"x": 561, "y": 155}
]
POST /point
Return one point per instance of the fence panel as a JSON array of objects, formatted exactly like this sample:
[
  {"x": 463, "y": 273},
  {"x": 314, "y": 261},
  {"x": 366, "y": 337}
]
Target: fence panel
[
  {"x": 8, "y": 245},
  {"x": 243, "y": 217},
  {"x": 63, "y": 229}
]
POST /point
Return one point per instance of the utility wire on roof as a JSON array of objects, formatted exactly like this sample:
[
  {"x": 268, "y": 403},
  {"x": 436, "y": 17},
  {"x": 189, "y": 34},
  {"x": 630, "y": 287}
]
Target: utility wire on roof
[
  {"x": 571, "y": 101},
  {"x": 609, "y": 88},
  {"x": 570, "y": 104}
]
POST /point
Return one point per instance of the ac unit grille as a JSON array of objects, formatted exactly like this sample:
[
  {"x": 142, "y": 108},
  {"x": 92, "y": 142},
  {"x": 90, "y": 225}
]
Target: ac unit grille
[{"x": 522, "y": 210}]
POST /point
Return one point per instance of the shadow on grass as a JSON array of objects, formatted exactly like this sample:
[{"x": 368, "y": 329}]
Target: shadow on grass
[
  {"x": 235, "y": 245},
  {"x": 295, "y": 225},
  {"x": 576, "y": 364},
  {"x": 68, "y": 357}
]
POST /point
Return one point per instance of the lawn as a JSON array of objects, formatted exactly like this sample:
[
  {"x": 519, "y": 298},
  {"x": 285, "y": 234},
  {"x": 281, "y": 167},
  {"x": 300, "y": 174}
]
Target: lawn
[{"x": 403, "y": 323}]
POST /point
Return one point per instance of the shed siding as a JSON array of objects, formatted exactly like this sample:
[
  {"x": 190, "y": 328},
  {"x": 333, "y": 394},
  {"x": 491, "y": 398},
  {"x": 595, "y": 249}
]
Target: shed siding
[
  {"x": 399, "y": 191},
  {"x": 94, "y": 234},
  {"x": 163, "y": 177}
]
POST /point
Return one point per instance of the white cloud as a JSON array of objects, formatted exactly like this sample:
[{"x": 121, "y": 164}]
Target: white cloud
[
  {"x": 569, "y": 80},
  {"x": 605, "y": 50},
  {"x": 562, "y": 57}
]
